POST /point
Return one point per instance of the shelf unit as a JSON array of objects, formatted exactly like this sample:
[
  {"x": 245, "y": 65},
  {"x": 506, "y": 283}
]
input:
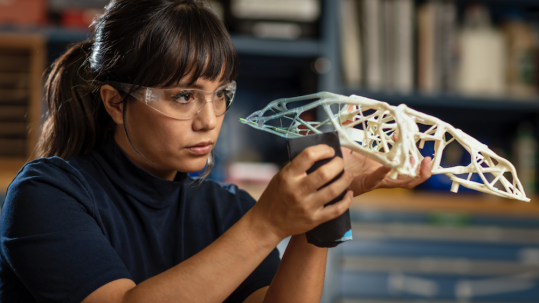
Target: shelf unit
[
  {"x": 22, "y": 62},
  {"x": 243, "y": 44},
  {"x": 333, "y": 79},
  {"x": 447, "y": 100},
  {"x": 327, "y": 46},
  {"x": 389, "y": 221}
]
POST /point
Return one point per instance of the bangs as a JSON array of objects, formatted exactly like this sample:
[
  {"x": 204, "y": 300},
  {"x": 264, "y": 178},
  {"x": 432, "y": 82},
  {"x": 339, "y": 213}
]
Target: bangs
[{"x": 180, "y": 40}]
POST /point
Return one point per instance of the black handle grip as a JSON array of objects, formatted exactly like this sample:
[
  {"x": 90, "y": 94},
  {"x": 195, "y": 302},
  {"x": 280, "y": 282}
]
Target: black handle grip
[{"x": 338, "y": 230}]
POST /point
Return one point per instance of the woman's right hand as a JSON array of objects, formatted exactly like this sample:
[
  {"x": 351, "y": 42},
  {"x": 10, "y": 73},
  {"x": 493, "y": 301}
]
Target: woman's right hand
[{"x": 292, "y": 203}]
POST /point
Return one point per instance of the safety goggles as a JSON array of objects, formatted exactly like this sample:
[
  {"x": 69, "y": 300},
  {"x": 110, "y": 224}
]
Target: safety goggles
[{"x": 180, "y": 103}]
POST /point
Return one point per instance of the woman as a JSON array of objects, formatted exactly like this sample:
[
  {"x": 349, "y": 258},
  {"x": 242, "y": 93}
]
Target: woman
[{"x": 108, "y": 214}]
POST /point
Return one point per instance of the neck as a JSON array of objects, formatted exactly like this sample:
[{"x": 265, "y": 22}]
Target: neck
[{"x": 128, "y": 149}]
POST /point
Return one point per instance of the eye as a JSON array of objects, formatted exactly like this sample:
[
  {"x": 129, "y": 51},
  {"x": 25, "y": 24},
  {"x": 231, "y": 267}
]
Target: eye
[
  {"x": 184, "y": 97},
  {"x": 224, "y": 93},
  {"x": 220, "y": 94}
]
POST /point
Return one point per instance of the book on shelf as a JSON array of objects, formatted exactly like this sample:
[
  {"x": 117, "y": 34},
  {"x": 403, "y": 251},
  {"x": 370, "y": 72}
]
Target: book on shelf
[
  {"x": 425, "y": 48},
  {"x": 377, "y": 48},
  {"x": 436, "y": 46},
  {"x": 448, "y": 44},
  {"x": 403, "y": 54},
  {"x": 388, "y": 45},
  {"x": 351, "y": 54},
  {"x": 372, "y": 33}
]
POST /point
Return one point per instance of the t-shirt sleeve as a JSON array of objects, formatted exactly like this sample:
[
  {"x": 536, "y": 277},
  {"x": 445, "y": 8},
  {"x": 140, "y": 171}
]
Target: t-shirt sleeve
[
  {"x": 49, "y": 237},
  {"x": 264, "y": 273}
]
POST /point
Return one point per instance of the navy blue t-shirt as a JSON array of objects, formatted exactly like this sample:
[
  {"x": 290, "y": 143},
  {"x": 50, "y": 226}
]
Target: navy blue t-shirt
[{"x": 69, "y": 227}]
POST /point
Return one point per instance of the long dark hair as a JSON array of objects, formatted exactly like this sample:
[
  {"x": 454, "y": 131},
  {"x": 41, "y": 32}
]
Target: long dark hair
[{"x": 142, "y": 42}]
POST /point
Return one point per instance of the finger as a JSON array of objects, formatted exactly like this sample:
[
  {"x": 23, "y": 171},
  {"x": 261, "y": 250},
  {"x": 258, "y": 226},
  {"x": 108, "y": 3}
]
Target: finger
[
  {"x": 332, "y": 191},
  {"x": 334, "y": 210},
  {"x": 304, "y": 160},
  {"x": 323, "y": 174},
  {"x": 424, "y": 173}
]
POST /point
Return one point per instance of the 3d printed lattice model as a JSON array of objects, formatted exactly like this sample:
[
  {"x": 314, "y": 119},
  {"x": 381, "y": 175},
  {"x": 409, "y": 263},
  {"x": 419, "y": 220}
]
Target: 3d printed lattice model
[{"x": 391, "y": 135}]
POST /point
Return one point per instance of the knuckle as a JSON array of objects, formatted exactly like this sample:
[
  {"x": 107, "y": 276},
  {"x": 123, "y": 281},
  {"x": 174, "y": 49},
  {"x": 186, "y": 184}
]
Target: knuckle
[
  {"x": 329, "y": 149},
  {"x": 295, "y": 197},
  {"x": 324, "y": 173},
  {"x": 285, "y": 180},
  {"x": 333, "y": 192},
  {"x": 304, "y": 210},
  {"x": 283, "y": 183},
  {"x": 334, "y": 212},
  {"x": 309, "y": 153},
  {"x": 339, "y": 209},
  {"x": 284, "y": 170},
  {"x": 347, "y": 204}
]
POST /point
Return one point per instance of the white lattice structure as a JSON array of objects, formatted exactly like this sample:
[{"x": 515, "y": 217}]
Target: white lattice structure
[{"x": 370, "y": 127}]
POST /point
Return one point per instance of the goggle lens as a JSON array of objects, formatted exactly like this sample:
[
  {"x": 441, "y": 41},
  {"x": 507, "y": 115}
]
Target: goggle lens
[{"x": 183, "y": 104}]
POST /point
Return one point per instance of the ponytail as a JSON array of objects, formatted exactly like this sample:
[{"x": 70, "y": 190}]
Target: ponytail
[{"x": 77, "y": 120}]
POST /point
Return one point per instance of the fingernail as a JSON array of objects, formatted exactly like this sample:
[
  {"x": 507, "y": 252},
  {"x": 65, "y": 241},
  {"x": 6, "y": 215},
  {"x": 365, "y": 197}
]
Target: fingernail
[{"x": 351, "y": 193}]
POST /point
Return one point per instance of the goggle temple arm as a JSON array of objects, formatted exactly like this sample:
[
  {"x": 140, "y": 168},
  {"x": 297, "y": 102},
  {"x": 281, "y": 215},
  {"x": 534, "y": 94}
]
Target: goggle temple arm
[{"x": 128, "y": 89}]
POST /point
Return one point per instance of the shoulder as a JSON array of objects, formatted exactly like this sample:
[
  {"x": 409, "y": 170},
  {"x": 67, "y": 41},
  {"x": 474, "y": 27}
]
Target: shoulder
[
  {"x": 44, "y": 173},
  {"x": 224, "y": 201},
  {"x": 222, "y": 192},
  {"x": 45, "y": 190}
]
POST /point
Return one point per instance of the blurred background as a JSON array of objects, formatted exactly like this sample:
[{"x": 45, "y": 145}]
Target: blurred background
[{"x": 473, "y": 64}]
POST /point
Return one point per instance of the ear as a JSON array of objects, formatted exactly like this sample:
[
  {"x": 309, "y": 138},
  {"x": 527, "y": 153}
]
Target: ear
[{"x": 111, "y": 100}]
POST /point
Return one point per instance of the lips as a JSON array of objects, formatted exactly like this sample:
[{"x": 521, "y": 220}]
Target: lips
[{"x": 201, "y": 148}]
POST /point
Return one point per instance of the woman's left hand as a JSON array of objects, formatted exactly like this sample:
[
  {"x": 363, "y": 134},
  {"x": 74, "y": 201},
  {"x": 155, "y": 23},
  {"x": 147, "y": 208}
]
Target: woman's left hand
[{"x": 369, "y": 174}]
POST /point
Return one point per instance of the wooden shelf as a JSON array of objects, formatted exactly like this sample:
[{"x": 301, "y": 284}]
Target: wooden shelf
[
  {"x": 243, "y": 44},
  {"x": 22, "y": 64},
  {"x": 403, "y": 200},
  {"x": 9, "y": 168},
  {"x": 266, "y": 47},
  {"x": 447, "y": 100},
  {"x": 416, "y": 201}
]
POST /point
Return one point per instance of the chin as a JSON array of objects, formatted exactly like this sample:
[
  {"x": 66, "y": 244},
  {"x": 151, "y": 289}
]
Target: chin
[{"x": 193, "y": 167}]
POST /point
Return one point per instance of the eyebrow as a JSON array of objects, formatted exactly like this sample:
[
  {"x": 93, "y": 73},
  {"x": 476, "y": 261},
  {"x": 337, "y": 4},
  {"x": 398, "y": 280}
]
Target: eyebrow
[{"x": 197, "y": 86}]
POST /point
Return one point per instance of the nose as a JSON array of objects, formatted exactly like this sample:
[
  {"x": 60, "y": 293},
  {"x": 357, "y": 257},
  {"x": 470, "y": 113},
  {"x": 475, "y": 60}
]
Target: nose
[{"x": 205, "y": 119}]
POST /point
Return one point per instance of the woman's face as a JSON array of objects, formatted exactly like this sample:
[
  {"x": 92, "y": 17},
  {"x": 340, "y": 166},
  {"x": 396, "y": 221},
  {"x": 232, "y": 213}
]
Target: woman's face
[{"x": 172, "y": 145}]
